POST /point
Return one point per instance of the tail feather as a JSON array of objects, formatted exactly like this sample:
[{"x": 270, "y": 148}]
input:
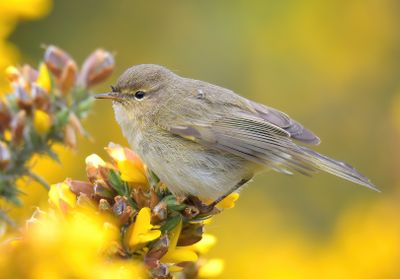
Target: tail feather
[{"x": 338, "y": 168}]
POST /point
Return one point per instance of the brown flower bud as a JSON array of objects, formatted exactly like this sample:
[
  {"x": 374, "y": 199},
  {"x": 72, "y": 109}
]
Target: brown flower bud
[
  {"x": 157, "y": 251},
  {"x": 140, "y": 197},
  {"x": 29, "y": 74},
  {"x": 160, "y": 212},
  {"x": 5, "y": 155},
  {"x": 40, "y": 98},
  {"x": 96, "y": 68},
  {"x": 17, "y": 126},
  {"x": 68, "y": 76},
  {"x": 104, "y": 205},
  {"x": 154, "y": 199},
  {"x": 191, "y": 234},
  {"x": 124, "y": 211},
  {"x": 56, "y": 60},
  {"x": 5, "y": 116},
  {"x": 23, "y": 98},
  {"x": 78, "y": 187}
]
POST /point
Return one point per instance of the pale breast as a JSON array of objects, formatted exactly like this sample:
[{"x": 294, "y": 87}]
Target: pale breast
[{"x": 189, "y": 168}]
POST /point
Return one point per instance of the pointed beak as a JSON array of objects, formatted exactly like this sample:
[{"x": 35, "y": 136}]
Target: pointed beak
[{"x": 109, "y": 95}]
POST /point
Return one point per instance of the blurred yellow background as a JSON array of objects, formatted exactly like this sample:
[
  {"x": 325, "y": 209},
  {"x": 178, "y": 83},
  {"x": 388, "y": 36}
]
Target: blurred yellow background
[{"x": 332, "y": 65}]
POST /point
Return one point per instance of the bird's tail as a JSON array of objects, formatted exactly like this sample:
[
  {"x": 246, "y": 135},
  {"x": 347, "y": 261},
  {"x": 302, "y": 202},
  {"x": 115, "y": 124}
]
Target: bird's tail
[{"x": 338, "y": 168}]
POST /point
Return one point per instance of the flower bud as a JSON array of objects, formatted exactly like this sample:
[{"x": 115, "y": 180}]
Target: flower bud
[
  {"x": 41, "y": 122},
  {"x": 40, "y": 98},
  {"x": 5, "y": 116},
  {"x": 79, "y": 187},
  {"x": 191, "y": 234},
  {"x": 5, "y": 155},
  {"x": 24, "y": 100},
  {"x": 18, "y": 126},
  {"x": 56, "y": 59},
  {"x": 96, "y": 68},
  {"x": 68, "y": 77},
  {"x": 12, "y": 74},
  {"x": 29, "y": 74},
  {"x": 43, "y": 80},
  {"x": 61, "y": 197},
  {"x": 93, "y": 162}
]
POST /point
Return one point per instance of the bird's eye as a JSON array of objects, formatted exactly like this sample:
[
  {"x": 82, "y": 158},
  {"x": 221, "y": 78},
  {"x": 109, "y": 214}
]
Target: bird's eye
[{"x": 139, "y": 95}]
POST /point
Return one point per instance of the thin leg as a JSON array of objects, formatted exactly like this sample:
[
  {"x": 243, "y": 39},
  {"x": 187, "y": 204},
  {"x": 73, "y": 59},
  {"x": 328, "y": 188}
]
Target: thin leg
[
  {"x": 236, "y": 187},
  {"x": 207, "y": 208}
]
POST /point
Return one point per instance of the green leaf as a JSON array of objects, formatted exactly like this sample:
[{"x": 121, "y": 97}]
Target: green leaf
[
  {"x": 171, "y": 223},
  {"x": 172, "y": 204},
  {"x": 153, "y": 179},
  {"x": 62, "y": 117},
  {"x": 117, "y": 183}
]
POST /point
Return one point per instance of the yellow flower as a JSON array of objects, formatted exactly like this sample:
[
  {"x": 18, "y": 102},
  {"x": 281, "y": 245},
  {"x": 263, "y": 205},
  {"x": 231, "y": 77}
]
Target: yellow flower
[
  {"x": 80, "y": 244},
  {"x": 44, "y": 80},
  {"x": 130, "y": 173},
  {"x": 178, "y": 254},
  {"x": 211, "y": 268},
  {"x": 7, "y": 135},
  {"x": 142, "y": 231},
  {"x": 229, "y": 201},
  {"x": 24, "y": 8},
  {"x": 61, "y": 197},
  {"x": 12, "y": 73},
  {"x": 41, "y": 122},
  {"x": 94, "y": 160},
  {"x": 128, "y": 163},
  {"x": 204, "y": 245}
]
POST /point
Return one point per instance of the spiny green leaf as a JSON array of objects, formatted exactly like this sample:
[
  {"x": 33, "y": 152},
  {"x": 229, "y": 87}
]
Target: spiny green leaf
[{"x": 171, "y": 223}]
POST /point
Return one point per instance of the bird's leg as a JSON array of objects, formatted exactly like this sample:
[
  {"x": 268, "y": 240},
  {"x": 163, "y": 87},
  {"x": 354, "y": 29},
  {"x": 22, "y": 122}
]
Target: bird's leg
[
  {"x": 236, "y": 187},
  {"x": 207, "y": 208}
]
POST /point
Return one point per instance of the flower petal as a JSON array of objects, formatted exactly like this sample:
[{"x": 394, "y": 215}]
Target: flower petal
[
  {"x": 41, "y": 122},
  {"x": 179, "y": 254},
  {"x": 130, "y": 173},
  {"x": 229, "y": 201},
  {"x": 211, "y": 268},
  {"x": 149, "y": 236},
  {"x": 44, "y": 80},
  {"x": 140, "y": 231}
]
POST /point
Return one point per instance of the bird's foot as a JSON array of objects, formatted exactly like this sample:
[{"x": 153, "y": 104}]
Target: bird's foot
[{"x": 204, "y": 209}]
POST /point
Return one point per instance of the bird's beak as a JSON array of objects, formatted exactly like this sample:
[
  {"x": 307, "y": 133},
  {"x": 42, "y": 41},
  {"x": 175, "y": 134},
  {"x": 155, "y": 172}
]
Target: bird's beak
[{"x": 109, "y": 95}]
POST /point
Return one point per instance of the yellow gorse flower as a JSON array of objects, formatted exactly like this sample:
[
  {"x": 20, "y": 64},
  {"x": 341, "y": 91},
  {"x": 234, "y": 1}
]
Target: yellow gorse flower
[
  {"x": 229, "y": 201},
  {"x": 211, "y": 268},
  {"x": 142, "y": 230},
  {"x": 128, "y": 163},
  {"x": 205, "y": 244},
  {"x": 61, "y": 197},
  {"x": 44, "y": 80},
  {"x": 41, "y": 122},
  {"x": 94, "y": 160},
  {"x": 54, "y": 247},
  {"x": 178, "y": 254}
]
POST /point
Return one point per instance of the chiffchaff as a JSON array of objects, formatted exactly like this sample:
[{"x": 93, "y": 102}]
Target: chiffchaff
[{"x": 204, "y": 140}]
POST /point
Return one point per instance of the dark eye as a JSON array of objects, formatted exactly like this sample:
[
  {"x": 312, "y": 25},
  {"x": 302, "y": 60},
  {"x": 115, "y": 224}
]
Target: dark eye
[{"x": 139, "y": 95}]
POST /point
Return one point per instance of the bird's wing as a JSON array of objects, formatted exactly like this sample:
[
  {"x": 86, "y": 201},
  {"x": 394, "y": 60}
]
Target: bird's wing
[
  {"x": 265, "y": 143},
  {"x": 249, "y": 137},
  {"x": 282, "y": 120}
]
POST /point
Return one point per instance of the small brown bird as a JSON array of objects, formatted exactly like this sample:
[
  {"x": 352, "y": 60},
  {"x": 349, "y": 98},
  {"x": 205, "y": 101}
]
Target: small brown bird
[{"x": 204, "y": 140}]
